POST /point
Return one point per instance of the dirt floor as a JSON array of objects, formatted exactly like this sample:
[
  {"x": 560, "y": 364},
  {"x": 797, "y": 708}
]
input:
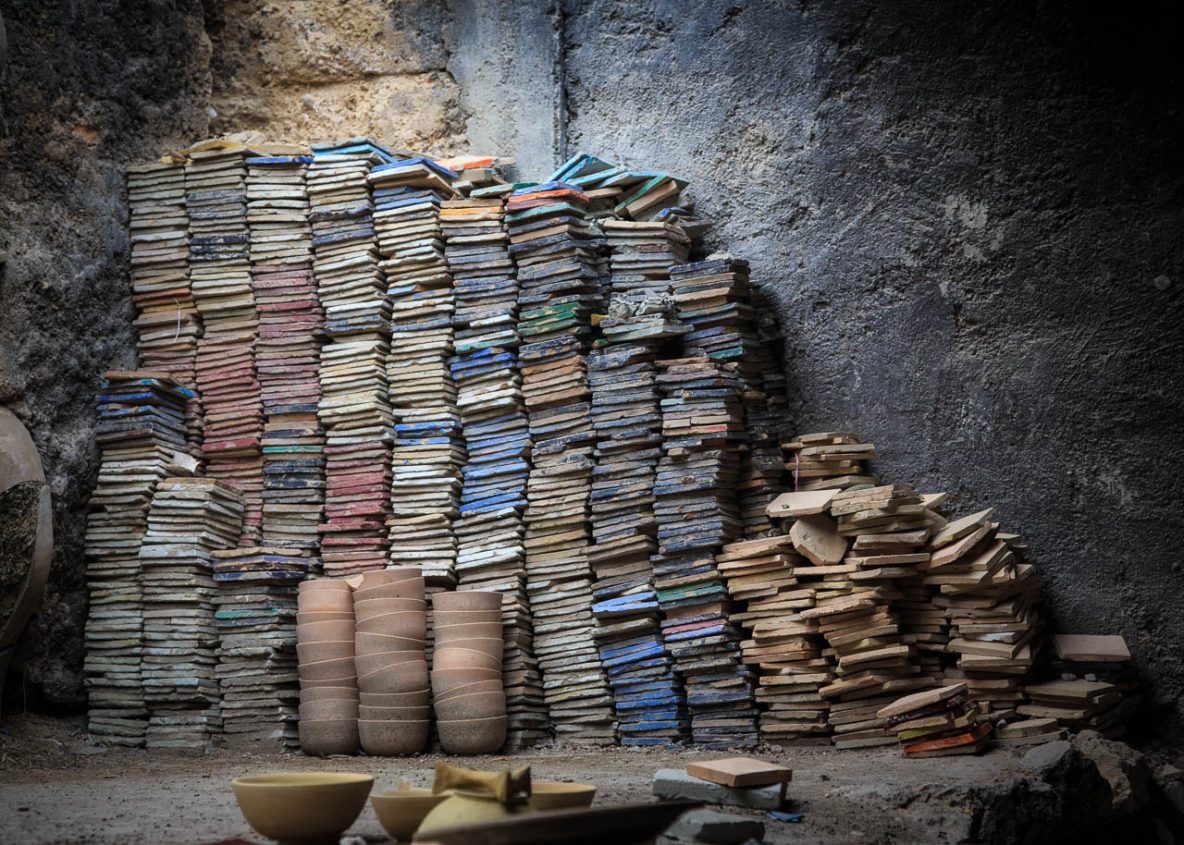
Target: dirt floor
[{"x": 55, "y": 787}]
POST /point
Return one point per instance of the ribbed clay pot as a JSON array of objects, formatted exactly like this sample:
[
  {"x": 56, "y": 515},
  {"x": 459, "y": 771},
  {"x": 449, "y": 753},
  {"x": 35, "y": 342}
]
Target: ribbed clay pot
[
  {"x": 375, "y": 661},
  {"x": 465, "y": 617},
  {"x": 325, "y": 632},
  {"x": 370, "y": 608},
  {"x": 323, "y": 670},
  {"x": 377, "y": 643},
  {"x": 344, "y": 681},
  {"x": 393, "y": 575},
  {"x": 472, "y": 736},
  {"x": 417, "y": 698},
  {"x": 447, "y": 680},
  {"x": 479, "y": 705},
  {"x": 322, "y": 738},
  {"x": 315, "y": 711},
  {"x": 389, "y": 739},
  {"x": 491, "y": 685},
  {"x": 480, "y": 630},
  {"x": 394, "y": 714},
  {"x": 398, "y": 590},
  {"x": 327, "y": 616},
  {"x": 317, "y": 651},
  {"x": 467, "y": 600},
  {"x": 311, "y": 695},
  {"x": 403, "y": 677},
  {"x": 455, "y": 657},
  {"x": 412, "y": 624}
]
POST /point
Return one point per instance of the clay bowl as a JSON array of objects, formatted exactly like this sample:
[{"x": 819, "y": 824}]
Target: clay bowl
[
  {"x": 324, "y": 601},
  {"x": 393, "y": 575},
  {"x": 376, "y": 643},
  {"x": 316, "y": 651},
  {"x": 403, "y": 677},
  {"x": 311, "y": 695},
  {"x": 325, "y": 632},
  {"x": 324, "y": 584},
  {"x": 447, "y": 680},
  {"x": 345, "y": 682},
  {"x": 478, "y": 705},
  {"x": 394, "y": 714},
  {"x": 467, "y": 600},
  {"x": 337, "y": 736},
  {"x": 494, "y": 685},
  {"x": 324, "y": 670},
  {"x": 370, "y": 608},
  {"x": 326, "y": 616},
  {"x": 455, "y": 657},
  {"x": 397, "y": 590},
  {"x": 407, "y": 623},
  {"x": 376, "y": 661},
  {"x": 309, "y": 808},
  {"x": 476, "y": 630},
  {"x": 418, "y": 698},
  {"x": 472, "y": 736},
  {"x": 400, "y": 813},
  {"x": 561, "y": 796},
  {"x": 324, "y": 711},
  {"x": 464, "y": 617},
  {"x": 388, "y": 739}
]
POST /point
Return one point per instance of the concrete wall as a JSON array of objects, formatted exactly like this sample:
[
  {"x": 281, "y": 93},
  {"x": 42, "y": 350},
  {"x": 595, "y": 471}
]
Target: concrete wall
[{"x": 970, "y": 214}]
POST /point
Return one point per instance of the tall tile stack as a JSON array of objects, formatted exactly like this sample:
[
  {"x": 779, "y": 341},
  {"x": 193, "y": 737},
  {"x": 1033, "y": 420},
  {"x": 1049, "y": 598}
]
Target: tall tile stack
[
  {"x": 785, "y": 650},
  {"x": 355, "y": 406},
  {"x": 650, "y": 703},
  {"x": 989, "y": 592},
  {"x": 167, "y": 323},
  {"x": 428, "y": 449},
  {"x": 641, "y": 254},
  {"x": 255, "y": 615},
  {"x": 490, "y": 530},
  {"x": 287, "y": 355},
  {"x": 558, "y": 269},
  {"x": 188, "y": 520},
  {"x": 697, "y": 514},
  {"x": 141, "y": 435},
  {"x": 715, "y": 298},
  {"x": 220, "y": 274}
]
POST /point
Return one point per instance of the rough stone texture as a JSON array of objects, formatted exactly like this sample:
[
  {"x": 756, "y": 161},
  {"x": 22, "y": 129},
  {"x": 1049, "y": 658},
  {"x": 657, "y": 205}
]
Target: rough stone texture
[
  {"x": 716, "y": 828},
  {"x": 970, "y": 214},
  {"x": 326, "y": 69},
  {"x": 676, "y": 783},
  {"x": 89, "y": 85},
  {"x": 1125, "y": 770}
]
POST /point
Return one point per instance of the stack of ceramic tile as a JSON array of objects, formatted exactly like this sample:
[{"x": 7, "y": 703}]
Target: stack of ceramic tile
[
  {"x": 141, "y": 436},
  {"x": 476, "y": 172},
  {"x": 923, "y": 624},
  {"x": 784, "y": 649},
  {"x": 287, "y": 354},
  {"x": 167, "y": 323},
  {"x": 428, "y": 448},
  {"x": 485, "y": 290},
  {"x": 650, "y": 703},
  {"x": 621, "y": 191},
  {"x": 188, "y": 520},
  {"x": 558, "y": 268},
  {"x": 940, "y": 722},
  {"x": 1095, "y": 657},
  {"x": 714, "y": 298},
  {"x": 697, "y": 514},
  {"x": 220, "y": 273},
  {"x": 828, "y": 460},
  {"x": 989, "y": 592},
  {"x": 255, "y": 614},
  {"x": 355, "y": 407},
  {"x": 642, "y": 254}
]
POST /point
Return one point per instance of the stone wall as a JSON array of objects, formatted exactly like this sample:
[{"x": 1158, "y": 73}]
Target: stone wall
[{"x": 971, "y": 213}]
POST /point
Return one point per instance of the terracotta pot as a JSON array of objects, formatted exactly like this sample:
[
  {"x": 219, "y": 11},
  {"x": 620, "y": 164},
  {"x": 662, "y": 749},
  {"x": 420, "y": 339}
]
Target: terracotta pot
[
  {"x": 401, "y": 812},
  {"x": 345, "y": 682},
  {"x": 378, "y": 643},
  {"x": 324, "y": 601},
  {"x": 561, "y": 796},
  {"x": 440, "y": 618},
  {"x": 374, "y": 661},
  {"x": 323, "y": 670},
  {"x": 311, "y": 695},
  {"x": 326, "y": 616},
  {"x": 446, "y": 680},
  {"x": 472, "y": 736},
  {"x": 492, "y": 685},
  {"x": 491, "y": 646},
  {"x": 393, "y": 575},
  {"x": 398, "y": 590},
  {"x": 305, "y": 808},
  {"x": 319, "y": 739},
  {"x": 418, "y": 713},
  {"x": 417, "y": 698},
  {"x": 317, "y": 651},
  {"x": 467, "y": 600},
  {"x": 408, "y": 623},
  {"x": 403, "y": 677},
  {"x": 455, "y": 657},
  {"x": 325, "y": 632},
  {"x": 329, "y": 710},
  {"x": 369, "y": 608},
  {"x": 313, "y": 584},
  {"x": 447, "y": 633},
  {"x": 479, "y": 705},
  {"x": 388, "y": 739}
]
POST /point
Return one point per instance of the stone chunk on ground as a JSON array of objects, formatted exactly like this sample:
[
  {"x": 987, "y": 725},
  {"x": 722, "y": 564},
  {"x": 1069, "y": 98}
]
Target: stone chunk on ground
[
  {"x": 715, "y": 828},
  {"x": 675, "y": 783}
]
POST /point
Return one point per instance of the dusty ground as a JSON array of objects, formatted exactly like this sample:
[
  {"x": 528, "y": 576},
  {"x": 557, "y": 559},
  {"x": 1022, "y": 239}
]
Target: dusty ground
[{"x": 56, "y": 788}]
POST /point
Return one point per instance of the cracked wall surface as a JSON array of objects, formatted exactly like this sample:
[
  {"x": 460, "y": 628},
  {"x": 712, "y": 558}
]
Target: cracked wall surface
[{"x": 970, "y": 215}]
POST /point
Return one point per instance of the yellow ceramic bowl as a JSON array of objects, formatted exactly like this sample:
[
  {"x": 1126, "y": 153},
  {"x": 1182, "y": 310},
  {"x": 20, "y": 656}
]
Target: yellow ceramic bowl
[
  {"x": 401, "y": 812},
  {"x": 561, "y": 796},
  {"x": 305, "y": 808}
]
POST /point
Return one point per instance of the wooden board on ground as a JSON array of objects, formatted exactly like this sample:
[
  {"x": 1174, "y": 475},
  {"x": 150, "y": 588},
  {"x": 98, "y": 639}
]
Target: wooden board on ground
[{"x": 740, "y": 772}]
